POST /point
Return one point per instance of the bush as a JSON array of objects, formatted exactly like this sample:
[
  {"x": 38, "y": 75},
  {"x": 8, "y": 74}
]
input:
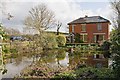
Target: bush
[
  {"x": 115, "y": 51},
  {"x": 90, "y": 72},
  {"x": 6, "y": 51},
  {"x": 50, "y": 41},
  {"x": 65, "y": 76},
  {"x": 61, "y": 40},
  {"x": 105, "y": 46},
  {"x": 60, "y": 54},
  {"x": 13, "y": 51},
  {"x": 77, "y": 38}
]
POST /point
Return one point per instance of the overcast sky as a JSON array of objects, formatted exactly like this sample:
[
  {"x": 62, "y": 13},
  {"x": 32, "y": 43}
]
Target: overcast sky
[{"x": 65, "y": 10}]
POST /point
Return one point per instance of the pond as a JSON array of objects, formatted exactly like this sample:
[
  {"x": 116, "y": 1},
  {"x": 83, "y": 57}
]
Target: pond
[{"x": 53, "y": 59}]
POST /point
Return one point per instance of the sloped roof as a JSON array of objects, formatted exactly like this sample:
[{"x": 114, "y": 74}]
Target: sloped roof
[{"x": 92, "y": 19}]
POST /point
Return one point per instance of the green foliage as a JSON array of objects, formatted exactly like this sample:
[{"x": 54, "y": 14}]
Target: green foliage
[
  {"x": 115, "y": 50},
  {"x": 2, "y": 32},
  {"x": 77, "y": 38},
  {"x": 61, "y": 54},
  {"x": 50, "y": 41},
  {"x": 6, "y": 50},
  {"x": 13, "y": 51},
  {"x": 66, "y": 76},
  {"x": 96, "y": 72},
  {"x": 106, "y": 45},
  {"x": 61, "y": 40},
  {"x": 87, "y": 72},
  {"x": 0, "y": 62}
]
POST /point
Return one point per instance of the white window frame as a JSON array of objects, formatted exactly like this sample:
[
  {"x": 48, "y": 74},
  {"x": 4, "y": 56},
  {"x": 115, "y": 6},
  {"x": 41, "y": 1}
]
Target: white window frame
[
  {"x": 103, "y": 37},
  {"x": 83, "y": 25},
  {"x": 73, "y": 28},
  {"x": 99, "y": 26},
  {"x": 83, "y": 36},
  {"x": 99, "y": 34},
  {"x": 95, "y": 38}
]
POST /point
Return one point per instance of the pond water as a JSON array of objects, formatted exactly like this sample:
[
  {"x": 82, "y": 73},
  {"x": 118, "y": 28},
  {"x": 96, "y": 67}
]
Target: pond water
[{"x": 53, "y": 58}]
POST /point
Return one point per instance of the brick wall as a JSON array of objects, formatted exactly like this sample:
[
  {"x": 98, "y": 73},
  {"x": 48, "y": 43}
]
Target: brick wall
[{"x": 90, "y": 29}]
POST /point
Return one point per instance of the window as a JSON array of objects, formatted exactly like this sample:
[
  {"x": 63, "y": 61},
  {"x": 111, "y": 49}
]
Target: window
[
  {"x": 95, "y": 38},
  {"x": 101, "y": 37},
  {"x": 83, "y": 28},
  {"x": 81, "y": 37},
  {"x": 96, "y": 56},
  {"x": 84, "y": 37},
  {"x": 99, "y": 26},
  {"x": 98, "y": 38},
  {"x": 73, "y": 28}
]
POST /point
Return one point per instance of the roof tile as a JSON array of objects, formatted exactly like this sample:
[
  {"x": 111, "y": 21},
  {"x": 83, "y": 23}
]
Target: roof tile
[{"x": 92, "y": 19}]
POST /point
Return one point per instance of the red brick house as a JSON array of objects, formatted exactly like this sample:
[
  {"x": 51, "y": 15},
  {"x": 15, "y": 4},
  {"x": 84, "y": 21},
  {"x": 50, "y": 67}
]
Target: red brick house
[{"x": 91, "y": 29}]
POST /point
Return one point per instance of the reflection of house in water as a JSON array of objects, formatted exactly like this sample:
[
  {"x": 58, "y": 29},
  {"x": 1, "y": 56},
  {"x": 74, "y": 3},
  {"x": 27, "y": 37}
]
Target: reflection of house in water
[
  {"x": 97, "y": 60},
  {"x": 92, "y": 60}
]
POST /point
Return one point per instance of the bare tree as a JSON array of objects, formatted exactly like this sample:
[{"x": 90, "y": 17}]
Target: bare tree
[
  {"x": 40, "y": 18},
  {"x": 58, "y": 24},
  {"x": 115, "y": 39},
  {"x": 3, "y": 10},
  {"x": 116, "y": 7}
]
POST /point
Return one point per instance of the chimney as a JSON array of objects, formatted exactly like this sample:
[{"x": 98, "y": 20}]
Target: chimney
[{"x": 86, "y": 16}]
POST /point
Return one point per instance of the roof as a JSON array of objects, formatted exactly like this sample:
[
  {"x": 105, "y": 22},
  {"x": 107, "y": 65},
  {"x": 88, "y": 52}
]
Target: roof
[{"x": 92, "y": 19}]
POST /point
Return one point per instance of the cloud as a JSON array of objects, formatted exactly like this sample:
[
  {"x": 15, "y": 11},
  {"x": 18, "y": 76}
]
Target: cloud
[
  {"x": 55, "y": 0},
  {"x": 107, "y": 13},
  {"x": 65, "y": 11},
  {"x": 18, "y": 10}
]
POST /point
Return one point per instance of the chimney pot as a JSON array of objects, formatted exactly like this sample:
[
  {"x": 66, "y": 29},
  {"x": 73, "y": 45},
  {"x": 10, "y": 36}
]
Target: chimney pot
[{"x": 86, "y": 16}]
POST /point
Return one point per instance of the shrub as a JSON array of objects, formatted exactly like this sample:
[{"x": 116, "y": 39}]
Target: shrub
[
  {"x": 61, "y": 40},
  {"x": 60, "y": 54},
  {"x": 90, "y": 72},
  {"x": 115, "y": 51},
  {"x": 106, "y": 45},
  {"x": 6, "y": 51},
  {"x": 50, "y": 41},
  {"x": 77, "y": 38},
  {"x": 65, "y": 76},
  {"x": 13, "y": 51}
]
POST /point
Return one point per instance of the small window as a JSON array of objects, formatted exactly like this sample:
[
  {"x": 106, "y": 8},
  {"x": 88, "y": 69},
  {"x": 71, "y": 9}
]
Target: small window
[
  {"x": 73, "y": 28},
  {"x": 83, "y": 28},
  {"x": 99, "y": 26},
  {"x": 101, "y": 37},
  {"x": 97, "y": 56},
  {"x": 98, "y": 38},
  {"x": 94, "y": 38},
  {"x": 84, "y": 37}
]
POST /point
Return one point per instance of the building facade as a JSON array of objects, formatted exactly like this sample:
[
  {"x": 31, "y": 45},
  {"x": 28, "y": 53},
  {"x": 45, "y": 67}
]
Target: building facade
[{"x": 92, "y": 29}]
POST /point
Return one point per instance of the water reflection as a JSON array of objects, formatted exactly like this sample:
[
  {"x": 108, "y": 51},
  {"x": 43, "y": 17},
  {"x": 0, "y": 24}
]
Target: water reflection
[
  {"x": 54, "y": 59},
  {"x": 89, "y": 59}
]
